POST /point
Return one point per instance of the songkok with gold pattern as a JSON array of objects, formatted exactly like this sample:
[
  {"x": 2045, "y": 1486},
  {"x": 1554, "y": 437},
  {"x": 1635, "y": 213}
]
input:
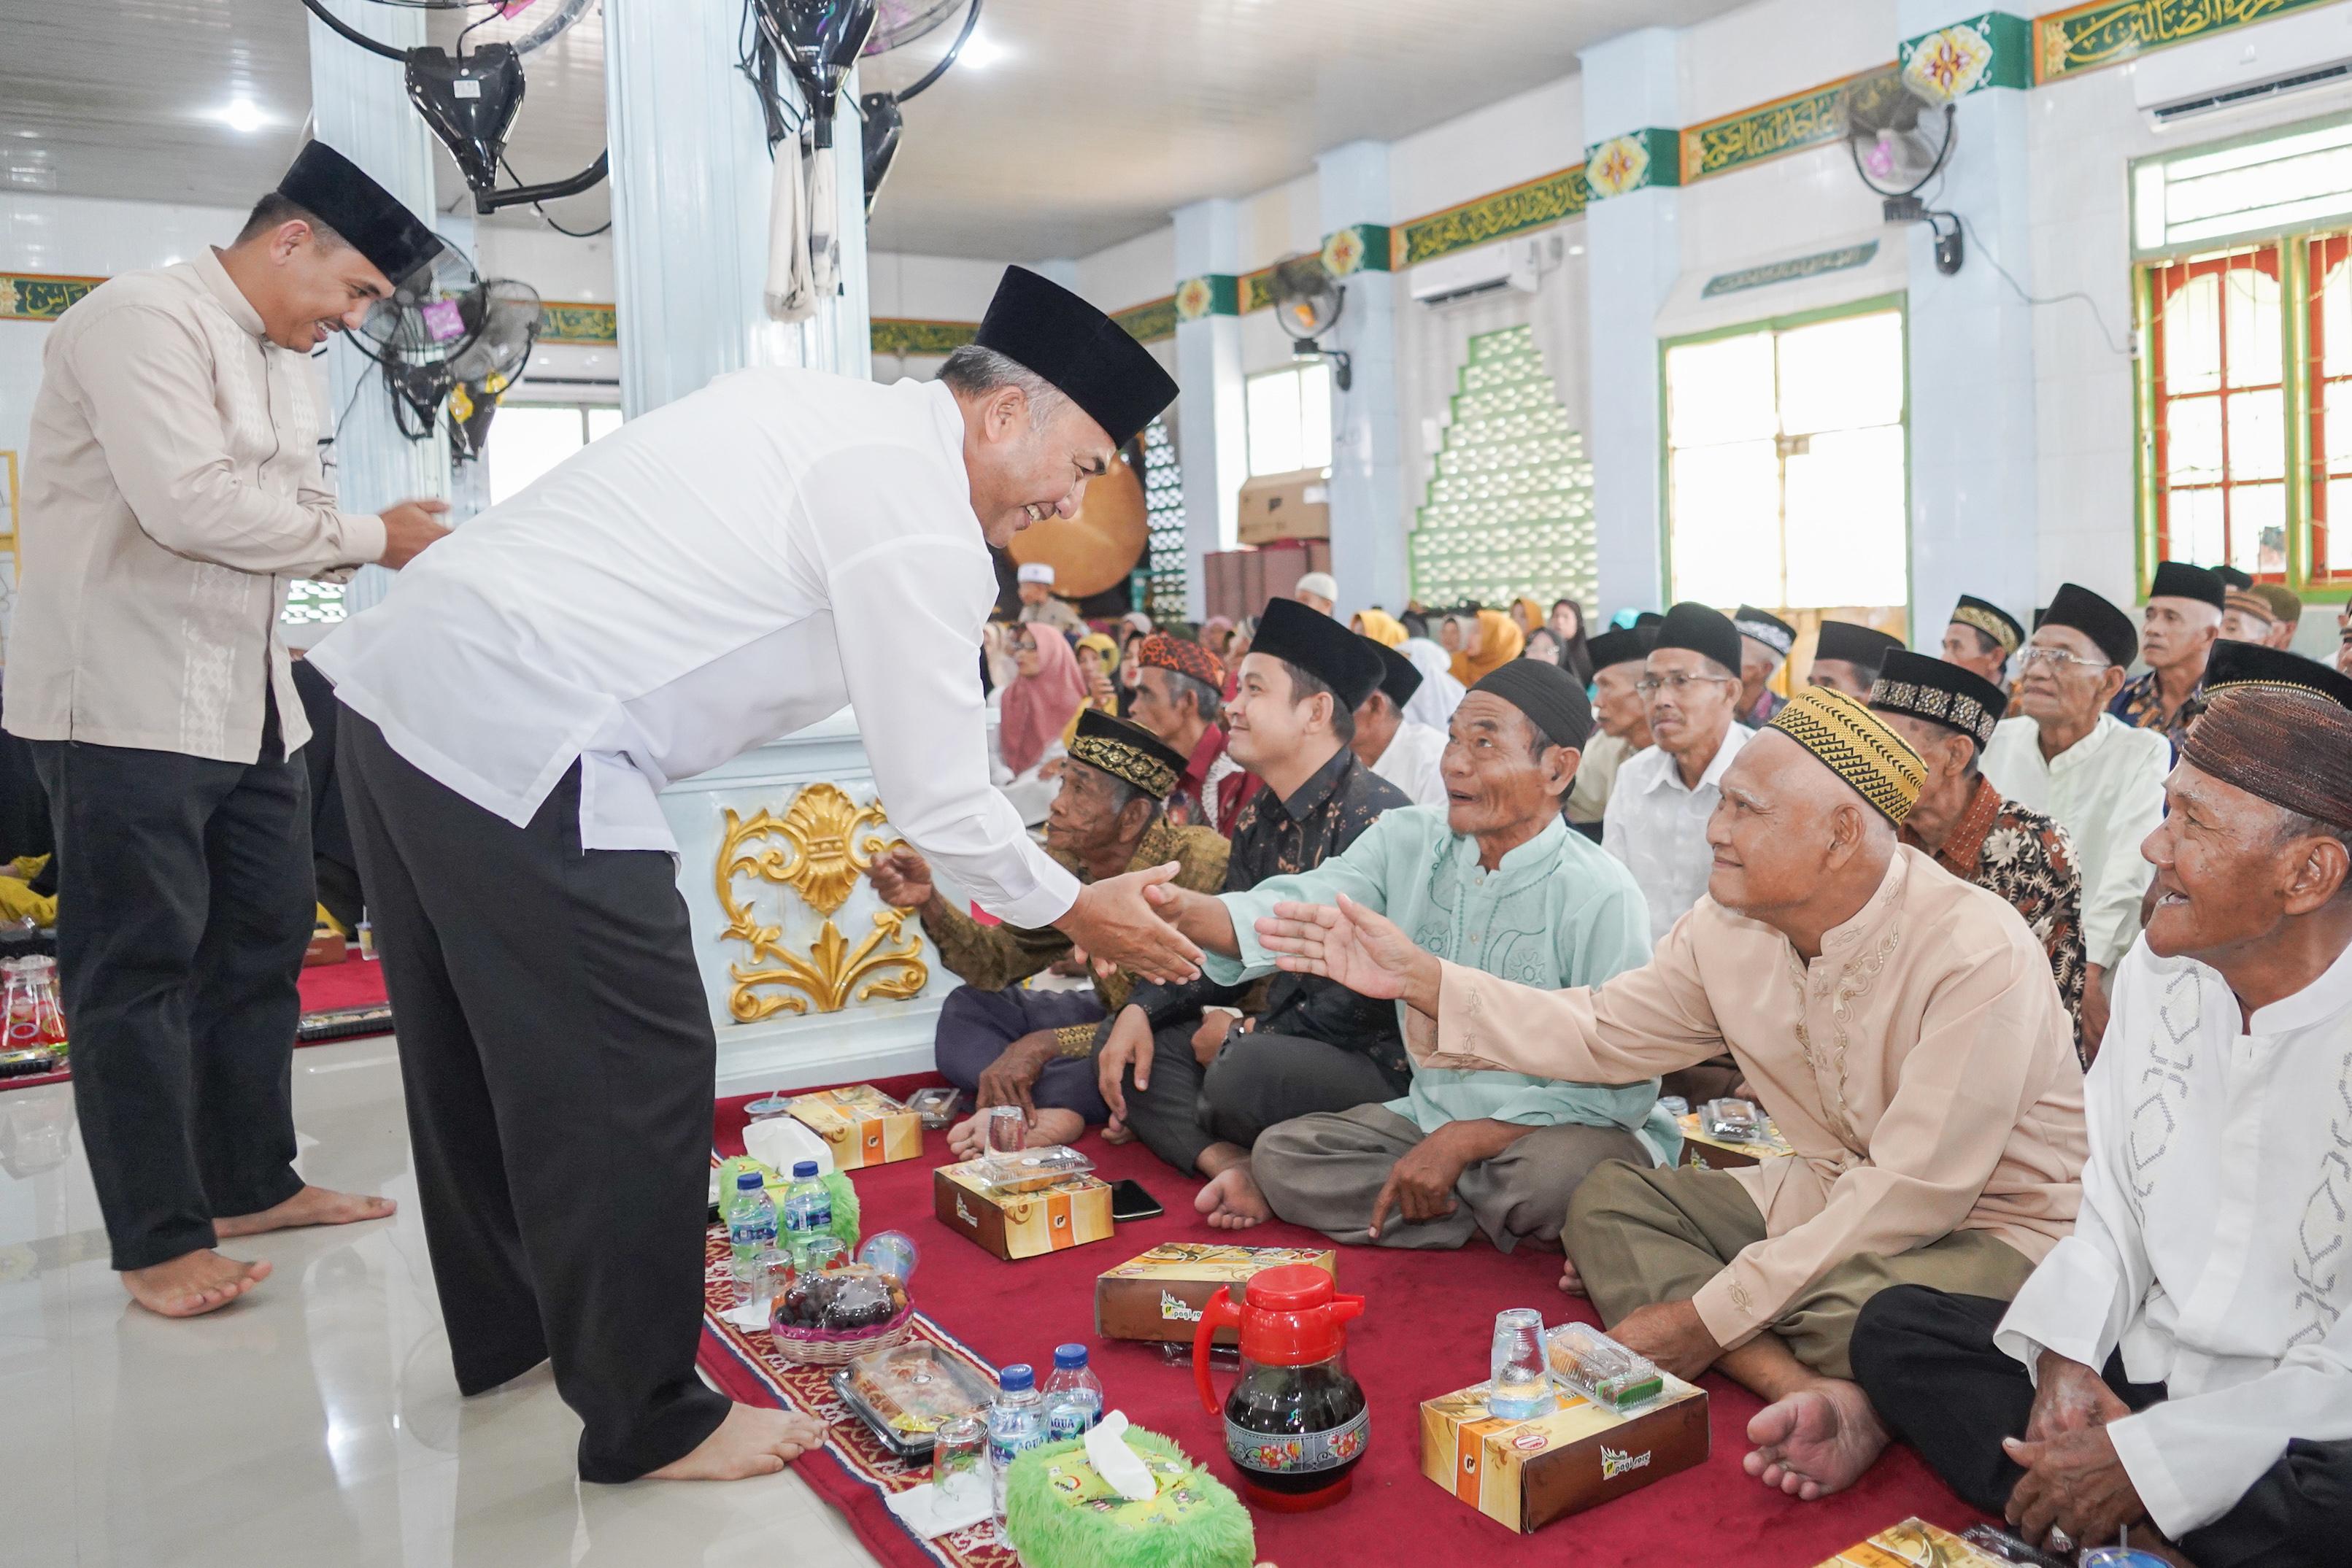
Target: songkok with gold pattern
[
  {"x": 2291, "y": 747},
  {"x": 1941, "y": 693},
  {"x": 1127, "y": 752},
  {"x": 1848, "y": 739},
  {"x": 1183, "y": 656}
]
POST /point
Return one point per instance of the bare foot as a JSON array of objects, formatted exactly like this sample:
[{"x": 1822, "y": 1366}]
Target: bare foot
[
  {"x": 311, "y": 1206},
  {"x": 1817, "y": 1441},
  {"x": 1118, "y": 1131},
  {"x": 968, "y": 1139},
  {"x": 1570, "y": 1280},
  {"x": 751, "y": 1441},
  {"x": 1048, "y": 1125},
  {"x": 193, "y": 1284},
  {"x": 1233, "y": 1201}
]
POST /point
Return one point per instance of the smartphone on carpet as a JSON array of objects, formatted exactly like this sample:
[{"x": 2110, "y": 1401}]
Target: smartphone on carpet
[{"x": 1129, "y": 1201}]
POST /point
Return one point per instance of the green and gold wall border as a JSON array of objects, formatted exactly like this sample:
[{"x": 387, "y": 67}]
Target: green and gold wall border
[
  {"x": 1995, "y": 49},
  {"x": 1537, "y": 204},
  {"x": 908, "y": 336},
  {"x": 578, "y": 321},
  {"x": 1153, "y": 321},
  {"x": 1358, "y": 247},
  {"x": 1211, "y": 294},
  {"x": 40, "y": 295},
  {"x": 1769, "y": 130},
  {"x": 2109, "y": 32},
  {"x": 1256, "y": 290},
  {"x": 1637, "y": 161}
]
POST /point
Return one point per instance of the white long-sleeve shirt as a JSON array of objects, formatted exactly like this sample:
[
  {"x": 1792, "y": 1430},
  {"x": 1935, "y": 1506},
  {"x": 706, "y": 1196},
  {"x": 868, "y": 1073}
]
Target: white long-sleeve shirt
[
  {"x": 2107, "y": 791},
  {"x": 1657, "y": 829},
  {"x": 721, "y": 571},
  {"x": 1412, "y": 762},
  {"x": 2213, "y": 1245}
]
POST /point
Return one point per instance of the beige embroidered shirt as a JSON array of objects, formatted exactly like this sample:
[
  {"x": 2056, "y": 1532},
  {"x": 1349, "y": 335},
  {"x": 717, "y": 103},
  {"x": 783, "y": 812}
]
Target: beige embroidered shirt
[
  {"x": 1922, "y": 1067},
  {"x": 171, "y": 492}
]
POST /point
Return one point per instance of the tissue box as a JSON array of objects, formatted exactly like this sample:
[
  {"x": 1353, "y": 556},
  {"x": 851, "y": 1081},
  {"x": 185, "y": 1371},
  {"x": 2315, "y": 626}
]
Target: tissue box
[
  {"x": 1158, "y": 1296},
  {"x": 1702, "y": 1148},
  {"x": 861, "y": 1125},
  {"x": 1525, "y": 1474},
  {"x": 1019, "y": 1225},
  {"x": 1913, "y": 1541},
  {"x": 1058, "y": 1513}
]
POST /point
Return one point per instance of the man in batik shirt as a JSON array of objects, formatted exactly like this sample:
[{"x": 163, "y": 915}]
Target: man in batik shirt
[
  {"x": 1947, "y": 715},
  {"x": 2177, "y": 630}
]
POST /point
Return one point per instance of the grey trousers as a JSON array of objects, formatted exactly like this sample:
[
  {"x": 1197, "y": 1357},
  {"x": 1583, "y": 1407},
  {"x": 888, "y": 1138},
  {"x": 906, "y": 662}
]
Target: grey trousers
[
  {"x": 1256, "y": 1082},
  {"x": 1325, "y": 1173}
]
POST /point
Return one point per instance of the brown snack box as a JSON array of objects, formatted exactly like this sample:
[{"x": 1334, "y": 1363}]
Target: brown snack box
[
  {"x": 1025, "y": 1223},
  {"x": 1295, "y": 506},
  {"x": 1725, "y": 1154},
  {"x": 861, "y": 1126},
  {"x": 1158, "y": 1295},
  {"x": 1525, "y": 1474},
  {"x": 1912, "y": 1542}
]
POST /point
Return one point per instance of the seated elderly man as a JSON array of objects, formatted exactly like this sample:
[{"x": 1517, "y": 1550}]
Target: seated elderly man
[
  {"x": 2182, "y": 1363},
  {"x": 1401, "y": 750},
  {"x": 1899, "y": 1025},
  {"x": 1981, "y": 638},
  {"x": 1495, "y": 880},
  {"x": 1006, "y": 1044},
  {"x": 1847, "y": 656},
  {"x": 1946, "y": 714}
]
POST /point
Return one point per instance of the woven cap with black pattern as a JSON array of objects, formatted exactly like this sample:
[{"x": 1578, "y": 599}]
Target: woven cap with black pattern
[{"x": 1848, "y": 740}]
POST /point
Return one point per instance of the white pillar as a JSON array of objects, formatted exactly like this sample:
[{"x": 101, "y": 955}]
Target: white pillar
[
  {"x": 1633, "y": 255},
  {"x": 1974, "y": 503},
  {"x": 360, "y": 108},
  {"x": 1213, "y": 427},
  {"x": 1367, "y": 509},
  {"x": 690, "y": 177}
]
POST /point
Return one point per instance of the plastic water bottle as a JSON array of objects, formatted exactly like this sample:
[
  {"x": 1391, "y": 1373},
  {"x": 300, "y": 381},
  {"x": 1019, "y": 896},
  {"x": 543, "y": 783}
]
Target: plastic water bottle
[
  {"x": 808, "y": 1206},
  {"x": 1074, "y": 1394},
  {"x": 751, "y": 1217},
  {"x": 1015, "y": 1422}
]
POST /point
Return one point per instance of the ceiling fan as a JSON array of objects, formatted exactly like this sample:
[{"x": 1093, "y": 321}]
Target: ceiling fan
[{"x": 470, "y": 98}]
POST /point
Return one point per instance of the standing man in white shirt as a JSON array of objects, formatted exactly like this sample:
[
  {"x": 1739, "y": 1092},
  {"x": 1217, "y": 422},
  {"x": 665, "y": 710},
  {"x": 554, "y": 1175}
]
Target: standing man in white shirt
[
  {"x": 1406, "y": 754},
  {"x": 2184, "y": 1359},
  {"x": 2069, "y": 758},
  {"x": 1657, "y": 819},
  {"x": 172, "y": 489},
  {"x": 716, "y": 573}
]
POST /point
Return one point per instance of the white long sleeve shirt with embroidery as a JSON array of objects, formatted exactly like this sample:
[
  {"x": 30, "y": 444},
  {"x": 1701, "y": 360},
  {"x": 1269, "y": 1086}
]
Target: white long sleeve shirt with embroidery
[
  {"x": 2213, "y": 1246},
  {"x": 721, "y": 571},
  {"x": 1657, "y": 829}
]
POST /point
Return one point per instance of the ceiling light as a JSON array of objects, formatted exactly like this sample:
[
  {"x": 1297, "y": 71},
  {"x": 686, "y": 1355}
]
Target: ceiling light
[
  {"x": 981, "y": 51},
  {"x": 241, "y": 115}
]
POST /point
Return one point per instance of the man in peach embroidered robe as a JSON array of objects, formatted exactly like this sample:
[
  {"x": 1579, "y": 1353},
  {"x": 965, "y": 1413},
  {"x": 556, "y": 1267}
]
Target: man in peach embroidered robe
[{"x": 1900, "y": 1026}]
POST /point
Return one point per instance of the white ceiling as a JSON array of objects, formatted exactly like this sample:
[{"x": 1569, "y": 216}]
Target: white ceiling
[{"x": 1095, "y": 119}]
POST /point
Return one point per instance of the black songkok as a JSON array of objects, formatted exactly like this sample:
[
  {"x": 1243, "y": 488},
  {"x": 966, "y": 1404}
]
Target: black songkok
[{"x": 1552, "y": 699}]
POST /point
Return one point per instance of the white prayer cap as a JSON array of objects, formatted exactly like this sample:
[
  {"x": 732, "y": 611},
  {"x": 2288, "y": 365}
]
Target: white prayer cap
[
  {"x": 1321, "y": 584},
  {"x": 1038, "y": 572}
]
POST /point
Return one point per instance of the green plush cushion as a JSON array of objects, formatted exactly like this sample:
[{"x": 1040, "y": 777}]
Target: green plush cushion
[
  {"x": 845, "y": 1195},
  {"x": 1059, "y": 1514}
]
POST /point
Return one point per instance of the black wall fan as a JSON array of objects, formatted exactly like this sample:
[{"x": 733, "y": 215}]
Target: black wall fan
[
  {"x": 1900, "y": 140},
  {"x": 447, "y": 338},
  {"x": 1307, "y": 304},
  {"x": 469, "y": 99},
  {"x": 884, "y": 121}
]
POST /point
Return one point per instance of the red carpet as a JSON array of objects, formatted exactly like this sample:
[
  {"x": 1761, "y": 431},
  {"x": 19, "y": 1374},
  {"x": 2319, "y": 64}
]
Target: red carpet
[
  {"x": 1425, "y": 1332},
  {"x": 326, "y": 988}
]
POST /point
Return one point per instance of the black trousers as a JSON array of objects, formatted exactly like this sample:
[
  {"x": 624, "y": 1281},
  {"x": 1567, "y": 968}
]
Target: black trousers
[
  {"x": 1927, "y": 1360},
  {"x": 558, "y": 1057},
  {"x": 1256, "y": 1082},
  {"x": 184, "y": 905}
]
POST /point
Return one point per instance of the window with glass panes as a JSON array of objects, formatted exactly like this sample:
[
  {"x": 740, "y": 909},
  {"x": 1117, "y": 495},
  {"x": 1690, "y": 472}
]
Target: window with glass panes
[
  {"x": 2218, "y": 362},
  {"x": 1289, "y": 413},
  {"x": 1786, "y": 463}
]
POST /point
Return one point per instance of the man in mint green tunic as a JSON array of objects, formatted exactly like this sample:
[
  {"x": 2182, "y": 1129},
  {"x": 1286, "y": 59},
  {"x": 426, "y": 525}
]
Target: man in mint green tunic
[{"x": 1495, "y": 880}]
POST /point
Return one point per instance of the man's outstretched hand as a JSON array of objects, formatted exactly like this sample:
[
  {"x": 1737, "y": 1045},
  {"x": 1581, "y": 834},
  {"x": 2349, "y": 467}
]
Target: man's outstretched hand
[
  {"x": 902, "y": 879},
  {"x": 1367, "y": 953},
  {"x": 1122, "y": 928}
]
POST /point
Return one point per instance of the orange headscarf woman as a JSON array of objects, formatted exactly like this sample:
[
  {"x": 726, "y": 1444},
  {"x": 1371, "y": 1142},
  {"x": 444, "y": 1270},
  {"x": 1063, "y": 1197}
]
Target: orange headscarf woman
[
  {"x": 1489, "y": 641},
  {"x": 1382, "y": 627}
]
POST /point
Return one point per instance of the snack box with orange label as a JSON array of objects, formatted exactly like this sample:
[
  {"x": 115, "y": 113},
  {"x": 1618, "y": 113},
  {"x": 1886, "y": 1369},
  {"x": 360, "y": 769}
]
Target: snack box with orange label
[
  {"x": 1066, "y": 1212},
  {"x": 1525, "y": 1474},
  {"x": 1912, "y": 1542},
  {"x": 1158, "y": 1296},
  {"x": 861, "y": 1126}
]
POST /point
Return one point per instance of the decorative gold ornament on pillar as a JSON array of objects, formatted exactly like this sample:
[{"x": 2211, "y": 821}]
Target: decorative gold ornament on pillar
[{"x": 820, "y": 857}]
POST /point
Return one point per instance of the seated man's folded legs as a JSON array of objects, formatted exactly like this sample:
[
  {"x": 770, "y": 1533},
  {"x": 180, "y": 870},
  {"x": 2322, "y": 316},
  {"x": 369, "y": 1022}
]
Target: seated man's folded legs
[
  {"x": 1165, "y": 1116},
  {"x": 1261, "y": 1080},
  {"x": 975, "y": 1026},
  {"x": 1521, "y": 1195}
]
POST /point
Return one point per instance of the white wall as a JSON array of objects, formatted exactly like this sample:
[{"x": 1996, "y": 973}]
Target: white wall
[
  {"x": 1776, "y": 48},
  {"x": 1131, "y": 272},
  {"x": 1505, "y": 144}
]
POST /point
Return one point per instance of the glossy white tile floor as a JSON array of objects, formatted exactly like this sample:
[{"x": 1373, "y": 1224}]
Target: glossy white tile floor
[{"x": 316, "y": 1421}]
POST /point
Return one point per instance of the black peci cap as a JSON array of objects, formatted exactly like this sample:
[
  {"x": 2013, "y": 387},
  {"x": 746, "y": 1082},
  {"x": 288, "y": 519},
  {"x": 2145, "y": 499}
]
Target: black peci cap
[
  {"x": 1626, "y": 645},
  {"x": 2232, "y": 578},
  {"x": 1701, "y": 629},
  {"x": 1089, "y": 358},
  {"x": 1863, "y": 647},
  {"x": 1127, "y": 752},
  {"x": 2234, "y": 664},
  {"x": 1323, "y": 647},
  {"x": 1400, "y": 676},
  {"x": 1983, "y": 615},
  {"x": 2108, "y": 627},
  {"x": 339, "y": 195},
  {"x": 1553, "y": 700},
  {"x": 2178, "y": 579},
  {"x": 1763, "y": 626},
  {"x": 1917, "y": 687}
]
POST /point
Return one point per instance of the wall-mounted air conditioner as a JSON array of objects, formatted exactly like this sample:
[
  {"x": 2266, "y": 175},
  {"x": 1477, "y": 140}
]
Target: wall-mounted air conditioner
[
  {"x": 2247, "y": 65},
  {"x": 1517, "y": 264}
]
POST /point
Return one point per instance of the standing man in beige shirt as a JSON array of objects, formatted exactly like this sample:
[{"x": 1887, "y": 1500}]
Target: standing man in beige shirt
[
  {"x": 1901, "y": 1027},
  {"x": 172, "y": 489}
]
